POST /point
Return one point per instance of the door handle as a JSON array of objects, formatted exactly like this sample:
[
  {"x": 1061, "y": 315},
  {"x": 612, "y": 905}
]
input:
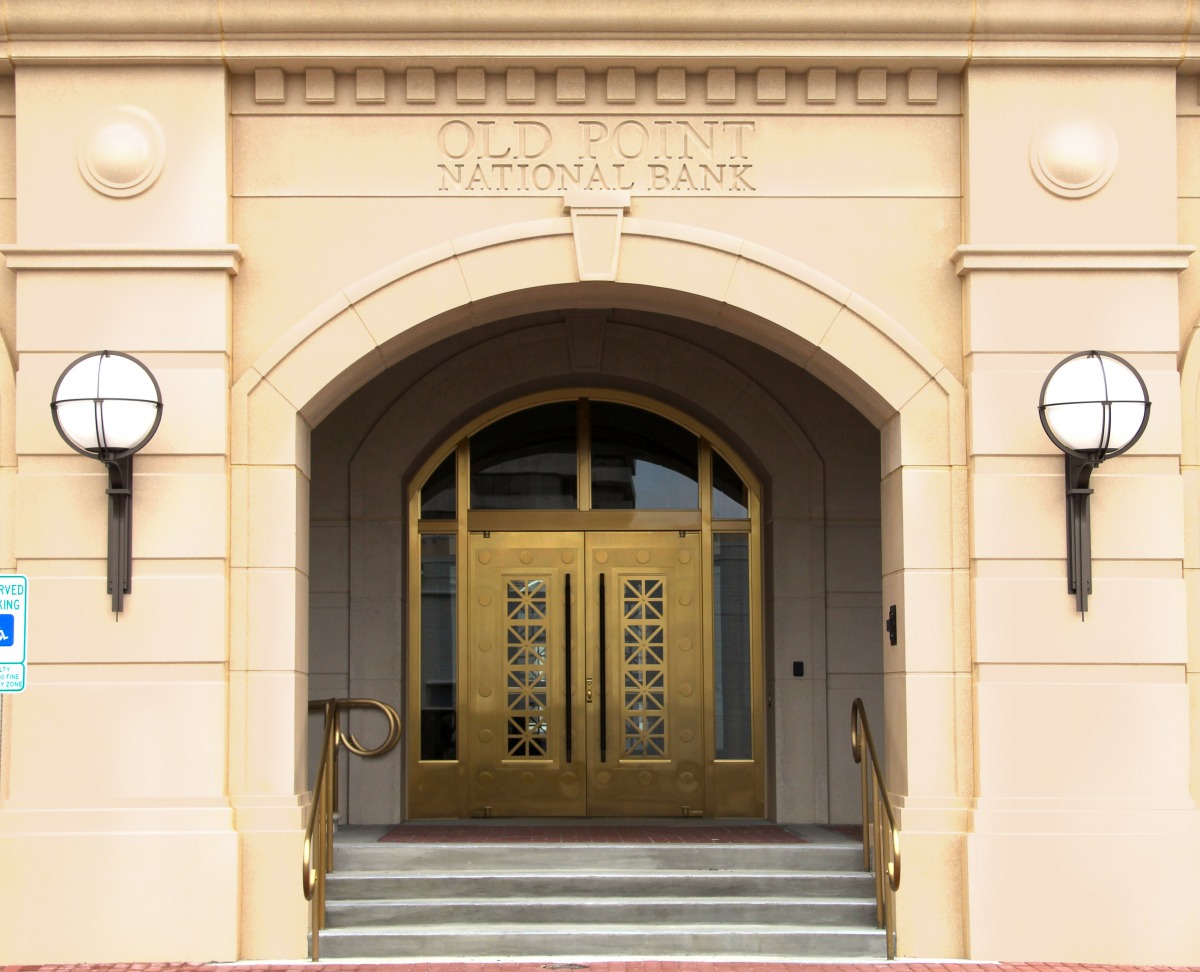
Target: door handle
[
  {"x": 603, "y": 677},
  {"x": 567, "y": 650},
  {"x": 589, "y": 690}
]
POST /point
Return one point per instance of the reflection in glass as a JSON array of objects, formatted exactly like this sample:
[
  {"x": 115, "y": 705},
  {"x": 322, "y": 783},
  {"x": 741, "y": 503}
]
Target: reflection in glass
[
  {"x": 438, "y": 641},
  {"x": 731, "y": 645},
  {"x": 438, "y": 495},
  {"x": 641, "y": 461},
  {"x": 526, "y": 461},
  {"x": 729, "y": 492}
]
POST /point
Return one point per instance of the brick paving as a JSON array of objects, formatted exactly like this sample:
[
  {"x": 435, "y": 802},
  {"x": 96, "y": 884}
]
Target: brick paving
[
  {"x": 607, "y": 966},
  {"x": 566, "y": 833}
]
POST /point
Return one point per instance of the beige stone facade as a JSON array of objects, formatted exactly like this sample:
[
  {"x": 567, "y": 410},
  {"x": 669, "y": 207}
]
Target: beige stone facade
[{"x": 849, "y": 239}]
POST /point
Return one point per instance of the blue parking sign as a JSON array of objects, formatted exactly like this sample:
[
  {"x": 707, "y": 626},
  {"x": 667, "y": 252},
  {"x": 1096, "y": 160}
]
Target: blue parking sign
[{"x": 14, "y": 604}]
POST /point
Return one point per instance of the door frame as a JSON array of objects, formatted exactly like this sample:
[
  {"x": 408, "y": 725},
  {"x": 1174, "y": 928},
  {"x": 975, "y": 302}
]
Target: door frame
[{"x": 439, "y": 788}]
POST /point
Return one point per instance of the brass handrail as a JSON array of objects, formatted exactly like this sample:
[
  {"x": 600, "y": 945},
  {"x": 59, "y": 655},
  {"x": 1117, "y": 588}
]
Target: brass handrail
[
  {"x": 318, "y": 835},
  {"x": 877, "y": 815}
]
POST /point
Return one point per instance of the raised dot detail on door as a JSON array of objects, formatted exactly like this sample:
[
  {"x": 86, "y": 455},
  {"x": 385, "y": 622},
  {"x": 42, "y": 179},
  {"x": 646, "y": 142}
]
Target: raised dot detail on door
[
  {"x": 686, "y": 781},
  {"x": 567, "y": 779},
  {"x": 485, "y": 644},
  {"x": 685, "y": 598},
  {"x": 685, "y": 556},
  {"x": 603, "y": 777},
  {"x": 485, "y": 691},
  {"x": 526, "y": 557},
  {"x": 685, "y": 690},
  {"x": 568, "y": 556},
  {"x": 687, "y": 736},
  {"x": 602, "y": 556},
  {"x": 527, "y": 777},
  {"x": 485, "y": 556},
  {"x": 485, "y": 599},
  {"x": 485, "y": 735},
  {"x": 486, "y": 778},
  {"x": 684, "y": 644},
  {"x": 643, "y": 557},
  {"x": 645, "y": 778}
]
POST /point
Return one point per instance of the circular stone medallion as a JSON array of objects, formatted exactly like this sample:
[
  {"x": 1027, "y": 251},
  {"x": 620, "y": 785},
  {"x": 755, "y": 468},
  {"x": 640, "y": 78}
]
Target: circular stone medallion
[
  {"x": 1073, "y": 157},
  {"x": 122, "y": 151}
]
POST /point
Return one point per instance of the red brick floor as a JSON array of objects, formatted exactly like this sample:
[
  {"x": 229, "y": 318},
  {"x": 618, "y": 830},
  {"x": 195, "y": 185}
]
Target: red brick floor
[
  {"x": 610, "y": 966},
  {"x": 566, "y": 833}
]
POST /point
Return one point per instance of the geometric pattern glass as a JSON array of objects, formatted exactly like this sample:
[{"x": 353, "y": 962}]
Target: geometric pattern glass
[
  {"x": 528, "y": 709},
  {"x": 643, "y": 641}
]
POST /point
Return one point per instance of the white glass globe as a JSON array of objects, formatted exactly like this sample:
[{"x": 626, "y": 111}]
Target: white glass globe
[
  {"x": 106, "y": 402},
  {"x": 1094, "y": 404}
]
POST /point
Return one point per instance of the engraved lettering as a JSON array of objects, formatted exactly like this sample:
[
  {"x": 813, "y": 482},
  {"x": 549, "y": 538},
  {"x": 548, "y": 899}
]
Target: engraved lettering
[
  {"x": 629, "y": 139},
  {"x": 528, "y": 135},
  {"x": 738, "y": 128},
  {"x": 593, "y": 133},
  {"x": 661, "y": 155},
  {"x": 454, "y": 134},
  {"x": 485, "y": 142},
  {"x": 456, "y": 176},
  {"x": 690, "y": 133}
]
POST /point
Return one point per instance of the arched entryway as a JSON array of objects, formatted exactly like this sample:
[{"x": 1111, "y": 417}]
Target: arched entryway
[
  {"x": 584, "y": 616},
  {"x": 775, "y": 306}
]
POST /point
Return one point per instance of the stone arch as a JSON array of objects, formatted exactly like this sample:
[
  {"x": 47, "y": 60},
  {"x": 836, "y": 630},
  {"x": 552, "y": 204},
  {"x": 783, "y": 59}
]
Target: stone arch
[
  {"x": 1190, "y": 463},
  {"x": 701, "y": 275}
]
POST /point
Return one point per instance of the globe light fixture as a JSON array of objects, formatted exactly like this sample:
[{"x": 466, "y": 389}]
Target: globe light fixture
[
  {"x": 107, "y": 405},
  {"x": 1094, "y": 405}
]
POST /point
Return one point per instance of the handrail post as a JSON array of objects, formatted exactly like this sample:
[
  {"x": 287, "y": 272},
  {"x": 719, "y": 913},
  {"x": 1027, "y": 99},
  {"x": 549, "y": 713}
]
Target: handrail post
[
  {"x": 876, "y": 805},
  {"x": 318, "y": 834}
]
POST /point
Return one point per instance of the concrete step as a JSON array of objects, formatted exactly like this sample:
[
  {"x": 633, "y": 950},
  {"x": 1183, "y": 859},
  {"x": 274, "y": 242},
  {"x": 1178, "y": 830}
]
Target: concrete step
[
  {"x": 529, "y": 886},
  {"x": 443, "y": 858},
  {"x": 587, "y": 941},
  {"x": 547, "y": 910}
]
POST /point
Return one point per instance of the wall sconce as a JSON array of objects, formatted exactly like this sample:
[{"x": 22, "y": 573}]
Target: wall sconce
[
  {"x": 1093, "y": 406},
  {"x": 107, "y": 405}
]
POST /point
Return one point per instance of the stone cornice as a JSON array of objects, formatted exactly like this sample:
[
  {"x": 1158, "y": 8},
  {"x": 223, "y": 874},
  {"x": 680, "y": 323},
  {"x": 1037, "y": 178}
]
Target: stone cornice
[
  {"x": 250, "y": 33},
  {"x": 225, "y": 256},
  {"x": 1069, "y": 256}
]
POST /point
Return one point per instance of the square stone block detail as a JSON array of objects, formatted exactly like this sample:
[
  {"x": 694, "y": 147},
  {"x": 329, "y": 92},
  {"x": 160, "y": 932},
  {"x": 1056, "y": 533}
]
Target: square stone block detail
[
  {"x": 420, "y": 86},
  {"x": 269, "y": 86},
  {"x": 622, "y": 86},
  {"x": 771, "y": 86},
  {"x": 722, "y": 86},
  {"x": 570, "y": 86},
  {"x": 370, "y": 86},
  {"x": 872, "y": 86},
  {"x": 320, "y": 86},
  {"x": 821, "y": 85},
  {"x": 923, "y": 86},
  {"x": 671, "y": 87},
  {"x": 520, "y": 86},
  {"x": 471, "y": 86}
]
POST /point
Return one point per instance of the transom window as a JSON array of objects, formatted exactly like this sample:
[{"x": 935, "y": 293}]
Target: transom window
[{"x": 585, "y": 455}]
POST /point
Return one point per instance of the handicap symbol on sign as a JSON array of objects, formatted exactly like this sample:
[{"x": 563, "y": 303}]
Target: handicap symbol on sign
[{"x": 7, "y": 628}]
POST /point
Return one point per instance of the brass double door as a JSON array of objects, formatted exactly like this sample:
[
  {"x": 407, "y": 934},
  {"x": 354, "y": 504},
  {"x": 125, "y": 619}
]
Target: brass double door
[{"x": 586, "y": 671}]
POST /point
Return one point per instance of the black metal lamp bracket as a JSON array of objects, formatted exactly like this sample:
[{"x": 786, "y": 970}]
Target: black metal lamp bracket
[
  {"x": 120, "y": 529},
  {"x": 1079, "y": 529}
]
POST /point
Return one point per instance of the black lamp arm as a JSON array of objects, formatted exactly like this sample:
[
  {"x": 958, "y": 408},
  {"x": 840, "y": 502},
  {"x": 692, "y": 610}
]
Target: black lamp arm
[{"x": 120, "y": 528}]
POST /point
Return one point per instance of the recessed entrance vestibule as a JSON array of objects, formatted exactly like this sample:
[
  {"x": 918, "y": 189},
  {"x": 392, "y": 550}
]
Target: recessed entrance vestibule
[
  {"x": 761, "y": 432},
  {"x": 604, "y": 656}
]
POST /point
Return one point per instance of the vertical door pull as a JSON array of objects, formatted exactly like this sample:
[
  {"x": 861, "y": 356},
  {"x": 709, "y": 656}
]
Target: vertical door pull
[
  {"x": 567, "y": 647},
  {"x": 603, "y": 677}
]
